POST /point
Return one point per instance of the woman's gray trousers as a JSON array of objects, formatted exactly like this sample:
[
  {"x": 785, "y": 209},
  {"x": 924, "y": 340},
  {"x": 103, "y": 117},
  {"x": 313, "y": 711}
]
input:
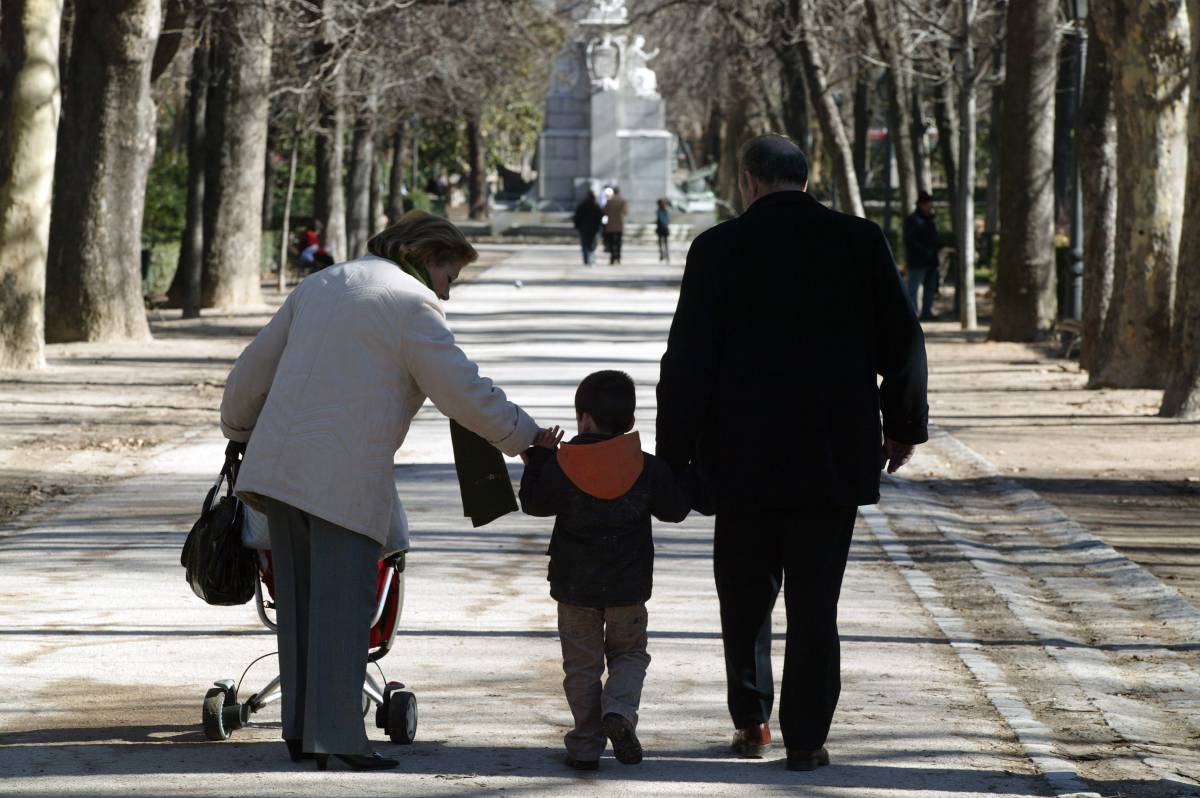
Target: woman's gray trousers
[{"x": 325, "y": 579}]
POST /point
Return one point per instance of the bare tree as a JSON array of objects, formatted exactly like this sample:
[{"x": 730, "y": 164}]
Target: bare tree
[
  {"x": 105, "y": 144},
  {"x": 237, "y": 136},
  {"x": 1026, "y": 302},
  {"x": 889, "y": 28},
  {"x": 1147, "y": 41},
  {"x": 362, "y": 159},
  {"x": 329, "y": 195},
  {"x": 29, "y": 106},
  {"x": 827, "y": 113},
  {"x": 1182, "y": 395},
  {"x": 1096, "y": 135},
  {"x": 185, "y": 289}
]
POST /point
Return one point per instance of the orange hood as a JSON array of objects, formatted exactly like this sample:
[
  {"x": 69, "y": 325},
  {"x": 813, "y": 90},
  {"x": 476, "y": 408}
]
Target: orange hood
[{"x": 607, "y": 469}]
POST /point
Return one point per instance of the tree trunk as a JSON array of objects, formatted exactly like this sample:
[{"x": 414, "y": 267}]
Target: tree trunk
[
  {"x": 395, "y": 200},
  {"x": 285, "y": 234},
  {"x": 1182, "y": 396},
  {"x": 796, "y": 122},
  {"x": 170, "y": 37},
  {"x": 966, "y": 170},
  {"x": 477, "y": 175},
  {"x": 919, "y": 150},
  {"x": 829, "y": 118},
  {"x": 237, "y": 139},
  {"x": 378, "y": 165},
  {"x": 887, "y": 29},
  {"x": 736, "y": 130},
  {"x": 105, "y": 146},
  {"x": 1026, "y": 298},
  {"x": 862, "y": 126},
  {"x": 1064, "y": 122},
  {"x": 1096, "y": 135},
  {"x": 358, "y": 193},
  {"x": 329, "y": 193},
  {"x": 29, "y": 106},
  {"x": 185, "y": 288},
  {"x": 946, "y": 115},
  {"x": 1147, "y": 42},
  {"x": 268, "y": 200},
  {"x": 65, "y": 39},
  {"x": 991, "y": 210}
]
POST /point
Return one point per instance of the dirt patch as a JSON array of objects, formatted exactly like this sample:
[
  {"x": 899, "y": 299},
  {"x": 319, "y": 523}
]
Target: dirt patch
[{"x": 1104, "y": 457}]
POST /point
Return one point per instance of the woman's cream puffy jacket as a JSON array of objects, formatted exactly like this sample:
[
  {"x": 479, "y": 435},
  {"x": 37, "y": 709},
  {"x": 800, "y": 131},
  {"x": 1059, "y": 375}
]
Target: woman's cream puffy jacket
[{"x": 326, "y": 391}]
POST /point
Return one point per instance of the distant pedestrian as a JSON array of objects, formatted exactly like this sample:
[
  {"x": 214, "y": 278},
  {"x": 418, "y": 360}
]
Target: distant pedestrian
[
  {"x": 614, "y": 226},
  {"x": 313, "y": 253},
  {"x": 788, "y": 276},
  {"x": 662, "y": 229},
  {"x": 588, "y": 221},
  {"x": 921, "y": 255},
  {"x": 603, "y": 489}
]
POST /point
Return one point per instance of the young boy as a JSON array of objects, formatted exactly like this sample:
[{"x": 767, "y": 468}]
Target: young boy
[{"x": 602, "y": 488}]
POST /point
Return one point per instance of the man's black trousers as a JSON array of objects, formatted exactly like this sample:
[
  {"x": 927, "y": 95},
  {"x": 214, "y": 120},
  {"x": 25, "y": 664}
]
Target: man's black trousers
[
  {"x": 613, "y": 241},
  {"x": 805, "y": 551}
]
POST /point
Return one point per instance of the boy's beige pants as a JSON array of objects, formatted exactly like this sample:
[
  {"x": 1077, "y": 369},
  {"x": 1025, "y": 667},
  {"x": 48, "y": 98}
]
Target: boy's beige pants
[{"x": 588, "y": 637}]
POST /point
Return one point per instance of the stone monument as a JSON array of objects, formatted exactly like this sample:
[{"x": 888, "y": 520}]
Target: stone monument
[{"x": 604, "y": 122}]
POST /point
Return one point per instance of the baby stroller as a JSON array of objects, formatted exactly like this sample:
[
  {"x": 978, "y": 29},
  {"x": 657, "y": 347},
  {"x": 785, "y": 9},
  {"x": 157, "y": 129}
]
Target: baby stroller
[{"x": 395, "y": 708}]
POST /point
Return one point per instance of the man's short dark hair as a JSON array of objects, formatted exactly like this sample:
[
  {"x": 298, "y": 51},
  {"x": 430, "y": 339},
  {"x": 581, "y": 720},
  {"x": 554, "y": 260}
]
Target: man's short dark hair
[
  {"x": 609, "y": 398},
  {"x": 774, "y": 159}
]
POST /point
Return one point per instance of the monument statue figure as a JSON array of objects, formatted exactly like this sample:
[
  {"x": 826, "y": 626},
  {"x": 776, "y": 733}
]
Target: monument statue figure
[
  {"x": 605, "y": 57},
  {"x": 607, "y": 12},
  {"x": 641, "y": 77}
]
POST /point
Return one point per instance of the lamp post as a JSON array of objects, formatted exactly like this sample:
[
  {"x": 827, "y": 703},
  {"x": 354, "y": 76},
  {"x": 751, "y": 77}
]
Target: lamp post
[{"x": 1079, "y": 11}]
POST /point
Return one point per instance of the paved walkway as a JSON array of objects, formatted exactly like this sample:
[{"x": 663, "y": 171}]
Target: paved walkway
[{"x": 992, "y": 647}]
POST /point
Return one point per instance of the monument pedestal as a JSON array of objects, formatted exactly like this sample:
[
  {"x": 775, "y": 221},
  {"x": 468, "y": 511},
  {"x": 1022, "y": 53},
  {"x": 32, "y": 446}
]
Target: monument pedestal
[{"x": 605, "y": 122}]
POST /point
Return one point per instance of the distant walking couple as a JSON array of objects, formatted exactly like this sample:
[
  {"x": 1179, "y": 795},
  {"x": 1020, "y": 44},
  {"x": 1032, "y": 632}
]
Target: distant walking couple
[
  {"x": 789, "y": 313},
  {"x": 593, "y": 215}
]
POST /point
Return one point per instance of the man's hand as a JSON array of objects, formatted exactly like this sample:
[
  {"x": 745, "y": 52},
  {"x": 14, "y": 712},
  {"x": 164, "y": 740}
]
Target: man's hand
[
  {"x": 548, "y": 438},
  {"x": 896, "y": 454}
]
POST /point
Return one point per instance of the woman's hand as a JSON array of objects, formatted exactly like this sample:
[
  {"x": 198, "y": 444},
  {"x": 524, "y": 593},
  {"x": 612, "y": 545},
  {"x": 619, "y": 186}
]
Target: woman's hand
[{"x": 548, "y": 438}]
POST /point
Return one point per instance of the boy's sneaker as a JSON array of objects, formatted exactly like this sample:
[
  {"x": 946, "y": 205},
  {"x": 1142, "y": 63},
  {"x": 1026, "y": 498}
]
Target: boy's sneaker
[
  {"x": 626, "y": 747},
  {"x": 582, "y": 764}
]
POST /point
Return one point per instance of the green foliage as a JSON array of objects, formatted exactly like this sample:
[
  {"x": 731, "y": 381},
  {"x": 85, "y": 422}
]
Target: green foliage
[
  {"x": 511, "y": 130},
  {"x": 443, "y": 148},
  {"x": 420, "y": 200},
  {"x": 166, "y": 199},
  {"x": 164, "y": 259}
]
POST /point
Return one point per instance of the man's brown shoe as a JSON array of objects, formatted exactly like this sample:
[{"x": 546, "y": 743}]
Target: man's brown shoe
[
  {"x": 799, "y": 759},
  {"x": 752, "y": 742}
]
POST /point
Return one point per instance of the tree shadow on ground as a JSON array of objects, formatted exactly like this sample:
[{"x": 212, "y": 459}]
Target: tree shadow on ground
[{"x": 157, "y": 750}]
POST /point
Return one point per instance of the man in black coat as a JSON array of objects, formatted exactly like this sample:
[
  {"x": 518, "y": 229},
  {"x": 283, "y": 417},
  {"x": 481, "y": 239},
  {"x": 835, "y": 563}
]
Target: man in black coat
[
  {"x": 768, "y": 389},
  {"x": 921, "y": 255}
]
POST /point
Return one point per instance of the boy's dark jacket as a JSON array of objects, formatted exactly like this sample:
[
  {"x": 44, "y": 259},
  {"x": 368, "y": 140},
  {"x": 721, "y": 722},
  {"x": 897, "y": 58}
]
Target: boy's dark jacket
[{"x": 602, "y": 490}]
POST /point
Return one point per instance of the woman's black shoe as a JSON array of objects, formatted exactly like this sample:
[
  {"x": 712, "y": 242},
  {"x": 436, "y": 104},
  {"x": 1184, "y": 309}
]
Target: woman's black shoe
[
  {"x": 372, "y": 761},
  {"x": 296, "y": 750}
]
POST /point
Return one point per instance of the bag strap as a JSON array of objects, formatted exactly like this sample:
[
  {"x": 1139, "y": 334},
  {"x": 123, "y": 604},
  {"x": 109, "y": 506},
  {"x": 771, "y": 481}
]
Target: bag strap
[{"x": 233, "y": 463}]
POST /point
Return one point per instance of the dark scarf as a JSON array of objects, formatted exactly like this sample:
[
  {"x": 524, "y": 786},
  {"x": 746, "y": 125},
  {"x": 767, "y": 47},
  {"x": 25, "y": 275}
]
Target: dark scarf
[{"x": 483, "y": 480}]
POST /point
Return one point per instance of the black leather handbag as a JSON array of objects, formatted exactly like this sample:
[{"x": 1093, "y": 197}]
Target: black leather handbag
[{"x": 219, "y": 568}]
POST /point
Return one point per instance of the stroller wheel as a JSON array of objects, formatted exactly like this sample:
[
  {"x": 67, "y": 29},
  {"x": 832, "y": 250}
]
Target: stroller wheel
[
  {"x": 213, "y": 715},
  {"x": 402, "y": 718}
]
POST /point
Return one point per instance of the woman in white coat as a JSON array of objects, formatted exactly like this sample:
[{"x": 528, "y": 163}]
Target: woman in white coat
[{"x": 324, "y": 395}]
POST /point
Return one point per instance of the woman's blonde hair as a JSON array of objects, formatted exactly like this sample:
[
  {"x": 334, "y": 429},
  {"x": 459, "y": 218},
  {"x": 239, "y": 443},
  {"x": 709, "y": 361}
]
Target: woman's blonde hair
[{"x": 422, "y": 239}]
